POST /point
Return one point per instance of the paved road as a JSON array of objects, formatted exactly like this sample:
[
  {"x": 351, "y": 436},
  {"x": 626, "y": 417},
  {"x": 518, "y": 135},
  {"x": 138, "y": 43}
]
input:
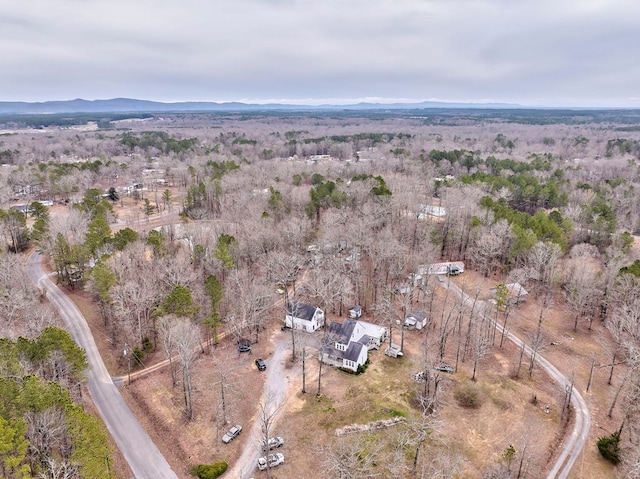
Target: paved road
[
  {"x": 136, "y": 446},
  {"x": 575, "y": 442}
]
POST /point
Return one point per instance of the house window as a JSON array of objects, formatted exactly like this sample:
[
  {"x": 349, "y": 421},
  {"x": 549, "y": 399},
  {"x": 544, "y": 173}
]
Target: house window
[{"x": 341, "y": 347}]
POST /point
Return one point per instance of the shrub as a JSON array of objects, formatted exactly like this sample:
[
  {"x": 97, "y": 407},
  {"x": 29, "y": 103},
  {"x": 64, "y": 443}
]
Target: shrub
[
  {"x": 609, "y": 447},
  {"x": 138, "y": 356},
  {"x": 468, "y": 395},
  {"x": 209, "y": 471},
  {"x": 396, "y": 413},
  {"x": 147, "y": 345},
  {"x": 361, "y": 368}
]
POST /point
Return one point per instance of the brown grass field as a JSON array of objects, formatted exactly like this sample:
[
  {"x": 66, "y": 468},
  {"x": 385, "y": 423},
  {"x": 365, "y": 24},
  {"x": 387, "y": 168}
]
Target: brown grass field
[{"x": 474, "y": 438}]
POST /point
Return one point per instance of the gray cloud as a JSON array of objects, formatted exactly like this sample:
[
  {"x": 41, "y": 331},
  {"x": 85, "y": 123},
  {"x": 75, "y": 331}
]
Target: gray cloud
[{"x": 573, "y": 52}]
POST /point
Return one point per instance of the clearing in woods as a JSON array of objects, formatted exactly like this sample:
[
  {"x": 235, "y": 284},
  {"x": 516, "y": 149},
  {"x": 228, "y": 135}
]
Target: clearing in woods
[{"x": 522, "y": 412}]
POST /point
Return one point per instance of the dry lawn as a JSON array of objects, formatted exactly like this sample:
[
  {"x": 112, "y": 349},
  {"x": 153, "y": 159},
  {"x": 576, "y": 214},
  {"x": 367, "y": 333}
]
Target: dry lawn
[{"x": 474, "y": 438}]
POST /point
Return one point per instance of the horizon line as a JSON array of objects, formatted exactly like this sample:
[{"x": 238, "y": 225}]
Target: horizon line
[{"x": 372, "y": 100}]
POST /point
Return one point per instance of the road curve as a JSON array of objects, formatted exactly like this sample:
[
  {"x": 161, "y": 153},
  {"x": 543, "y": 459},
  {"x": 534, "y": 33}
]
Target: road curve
[
  {"x": 142, "y": 455},
  {"x": 576, "y": 441}
]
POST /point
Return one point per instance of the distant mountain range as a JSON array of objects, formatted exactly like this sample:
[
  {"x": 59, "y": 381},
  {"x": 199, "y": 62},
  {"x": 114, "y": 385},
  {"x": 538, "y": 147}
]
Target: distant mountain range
[{"x": 127, "y": 105}]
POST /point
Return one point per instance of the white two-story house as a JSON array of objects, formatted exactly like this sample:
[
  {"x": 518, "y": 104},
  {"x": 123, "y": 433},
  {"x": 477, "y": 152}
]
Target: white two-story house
[
  {"x": 303, "y": 316},
  {"x": 351, "y": 341}
]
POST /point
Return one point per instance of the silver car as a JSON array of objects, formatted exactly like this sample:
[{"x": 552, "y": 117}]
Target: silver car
[
  {"x": 232, "y": 433},
  {"x": 272, "y": 443},
  {"x": 273, "y": 460}
]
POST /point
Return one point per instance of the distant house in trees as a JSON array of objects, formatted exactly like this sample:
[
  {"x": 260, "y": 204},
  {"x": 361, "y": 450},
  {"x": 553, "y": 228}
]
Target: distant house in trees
[
  {"x": 352, "y": 341},
  {"x": 430, "y": 212},
  {"x": 450, "y": 268},
  {"x": 316, "y": 158},
  {"x": 355, "y": 312},
  {"x": 21, "y": 208},
  {"x": 416, "y": 320},
  {"x": 517, "y": 293},
  {"x": 130, "y": 188},
  {"x": 303, "y": 316},
  {"x": 25, "y": 208},
  {"x": 26, "y": 190}
]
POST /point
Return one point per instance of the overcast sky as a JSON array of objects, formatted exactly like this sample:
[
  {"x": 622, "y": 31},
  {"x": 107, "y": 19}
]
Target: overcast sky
[{"x": 532, "y": 52}]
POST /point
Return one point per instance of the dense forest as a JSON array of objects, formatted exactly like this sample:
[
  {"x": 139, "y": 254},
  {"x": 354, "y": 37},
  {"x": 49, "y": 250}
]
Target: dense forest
[{"x": 330, "y": 208}]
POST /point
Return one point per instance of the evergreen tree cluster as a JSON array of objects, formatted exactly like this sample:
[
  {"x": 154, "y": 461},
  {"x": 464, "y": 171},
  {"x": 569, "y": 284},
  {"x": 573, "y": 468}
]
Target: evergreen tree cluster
[{"x": 43, "y": 431}]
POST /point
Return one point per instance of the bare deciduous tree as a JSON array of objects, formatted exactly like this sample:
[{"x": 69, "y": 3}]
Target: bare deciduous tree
[
  {"x": 227, "y": 387},
  {"x": 542, "y": 260},
  {"x": 186, "y": 340},
  {"x": 47, "y": 433},
  {"x": 166, "y": 331},
  {"x": 422, "y": 429},
  {"x": 251, "y": 302},
  {"x": 350, "y": 457},
  {"x": 268, "y": 411},
  {"x": 582, "y": 284},
  {"x": 537, "y": 337},
  {"x": 492, "y": 245}
]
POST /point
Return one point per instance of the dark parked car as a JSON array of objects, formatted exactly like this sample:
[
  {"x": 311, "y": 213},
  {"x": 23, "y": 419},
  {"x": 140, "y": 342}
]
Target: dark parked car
[
  {"x": 261, "y": 364},
  {"x": 445, "y": 368},
  {"x": 244, "y": 346}
]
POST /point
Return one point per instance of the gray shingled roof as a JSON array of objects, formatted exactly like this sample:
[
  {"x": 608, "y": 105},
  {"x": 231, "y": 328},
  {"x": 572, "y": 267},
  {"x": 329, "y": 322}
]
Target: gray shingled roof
[
  {"x": 342, "y": 331},
  {"x": 301, "y": 310},
  {"x": 418, "y": 315},
  {"x": 353, "y": 351}
]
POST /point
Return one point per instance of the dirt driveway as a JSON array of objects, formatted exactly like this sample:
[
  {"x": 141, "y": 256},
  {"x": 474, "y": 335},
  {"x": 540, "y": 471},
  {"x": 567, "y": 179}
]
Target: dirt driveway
[{"x": 276, "y": 389}]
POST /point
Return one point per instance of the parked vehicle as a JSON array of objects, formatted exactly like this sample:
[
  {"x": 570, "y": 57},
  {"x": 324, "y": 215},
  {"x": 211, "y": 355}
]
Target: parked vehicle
[
  {"x": 261, "y": 365},
  {"x": 445, "y": 368},
  {"x": 272, "y": 459},
  {"x": 453, "y": 270},
  {"x": 272, "y": 443},
  {"x": 232, "y": 433},
  {"x": 244, "y": 345}
]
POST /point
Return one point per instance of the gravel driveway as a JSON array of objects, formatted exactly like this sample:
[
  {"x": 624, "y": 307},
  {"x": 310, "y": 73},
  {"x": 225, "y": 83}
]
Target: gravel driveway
[{"x": 276, "y": 388}]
